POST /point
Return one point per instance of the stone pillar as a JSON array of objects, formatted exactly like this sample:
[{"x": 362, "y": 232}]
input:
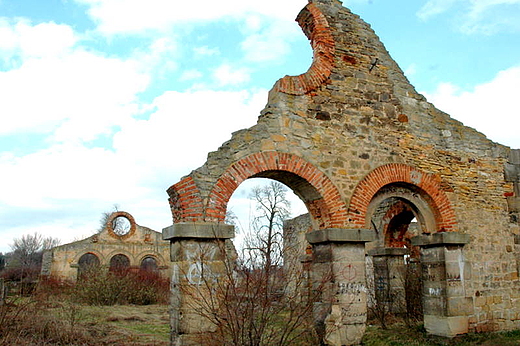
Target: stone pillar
[
  {"x": 445, "y": 304},
  {"x": 338, "y": 274},
  {"x": 389, "y": 277},
  {"x": 198, "y": 252}
]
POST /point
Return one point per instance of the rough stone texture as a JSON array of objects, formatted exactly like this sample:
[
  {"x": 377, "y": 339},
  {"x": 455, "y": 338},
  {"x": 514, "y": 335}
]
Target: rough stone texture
[
  {"x": 340, "y": 235},
  {"x": 340, "y": 313},
  {"x": 353, "y": 139},
  {"x": 139, "y": 243},
  {"x": 197, "y": 263},
  {"x": 446, "y": 275},
  {"x": 198, "y": 230}
]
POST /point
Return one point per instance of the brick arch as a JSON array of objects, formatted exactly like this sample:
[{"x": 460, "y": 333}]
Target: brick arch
[
  {"x": 317, "y": 29},
  {"x": 317, "y": 191},
  {"x": 110, "y": 225},
  {"x": 185, "y": 201},
  {"x": 401, "y": 173},
  {"x": 398, "y": 208}
]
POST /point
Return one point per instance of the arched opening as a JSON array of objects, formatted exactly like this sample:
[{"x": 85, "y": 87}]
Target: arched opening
[
  {"x": 87, "y": 263},
  {"x": 149, "y": 264},
  {"x": 397, "y": 212},
  {"x": 267, "y": 287},
  {"x": 251, "y": 219},
  {"x": 316, "y": 190},
  {"x": 119, "y": 263}
]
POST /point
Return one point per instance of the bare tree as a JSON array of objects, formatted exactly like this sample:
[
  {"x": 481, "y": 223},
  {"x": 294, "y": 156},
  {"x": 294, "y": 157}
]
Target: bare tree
[
  {"x": 29, "y": 248},
  {"x": 264, "y": 241},
  {"x": 25, "y": 260},
  {"x": 105, "y": 216}
]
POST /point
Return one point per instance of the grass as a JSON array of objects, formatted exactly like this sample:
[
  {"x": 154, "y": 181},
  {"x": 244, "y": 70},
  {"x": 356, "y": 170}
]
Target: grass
[
  {"x": 53, "y": 323},
  {"x": 401, "y": 335},
  {"x": 58, "y": 322}
]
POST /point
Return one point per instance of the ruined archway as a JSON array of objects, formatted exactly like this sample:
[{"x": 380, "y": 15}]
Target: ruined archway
[
  {"x": 313, "y": 187},
  {"x": 149, "y": 264},
  {"x": 316, "y": 190},
  {"x": 119, "y": 263},
  {"x": 87, "y": 263},
  {"x": 421, "y": 191}
]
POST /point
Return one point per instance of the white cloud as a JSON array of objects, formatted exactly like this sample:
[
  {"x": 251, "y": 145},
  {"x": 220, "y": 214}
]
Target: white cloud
[
  {"x": 159, "y": 58},
  {"x": 185, "y": 127},
  {"x": 490, "y": 107},
  {"x": 477, "y": 16},
  {"x": 226, "y": 75},
  {"x": 60, "y": 173},
  {"x": 74, "y": 182},
  {"x": 82, "y": 94},
  {"x": 41, "y": 40},
  {"x": 135, "y": 16},
  {"x": 479, "y": 6},
  {"x": 61, "y": 88},
  {"x": 491, "y": 16},
  {"x": 267, "y": 44},
  {"x": 434, "y": 7}
]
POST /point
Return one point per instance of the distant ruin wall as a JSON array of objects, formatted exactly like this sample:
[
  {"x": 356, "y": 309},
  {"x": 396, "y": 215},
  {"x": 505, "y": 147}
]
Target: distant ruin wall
[{"x": 137, "y": 244}]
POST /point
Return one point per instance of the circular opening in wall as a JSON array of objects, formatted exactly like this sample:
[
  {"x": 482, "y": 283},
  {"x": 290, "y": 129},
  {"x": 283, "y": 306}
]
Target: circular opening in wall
[{"x": 121, "y": 225}]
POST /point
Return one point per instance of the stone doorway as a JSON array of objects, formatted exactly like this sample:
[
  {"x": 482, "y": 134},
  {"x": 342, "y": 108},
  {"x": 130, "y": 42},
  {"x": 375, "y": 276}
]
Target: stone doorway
[{"x": 398, "y": 212}]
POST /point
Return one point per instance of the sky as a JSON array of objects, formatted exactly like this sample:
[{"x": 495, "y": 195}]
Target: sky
[{"x": 110, "y": 102}]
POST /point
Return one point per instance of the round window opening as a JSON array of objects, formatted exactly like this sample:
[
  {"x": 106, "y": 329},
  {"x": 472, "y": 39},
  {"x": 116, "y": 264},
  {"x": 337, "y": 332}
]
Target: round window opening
[{"x": 121, "y": 225}]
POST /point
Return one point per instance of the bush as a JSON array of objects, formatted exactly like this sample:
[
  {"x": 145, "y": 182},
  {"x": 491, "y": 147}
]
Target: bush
[
  {"x": 21, "y": 280},
  {"x": 99, "y": 287}
]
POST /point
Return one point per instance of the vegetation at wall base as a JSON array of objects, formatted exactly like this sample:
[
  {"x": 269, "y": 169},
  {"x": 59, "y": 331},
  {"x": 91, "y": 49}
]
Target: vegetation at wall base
[{"x": 399, "y": 334}]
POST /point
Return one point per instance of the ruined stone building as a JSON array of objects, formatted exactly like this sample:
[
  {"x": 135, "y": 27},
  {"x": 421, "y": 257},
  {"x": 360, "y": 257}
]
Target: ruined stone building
[
  {"x": 367, "y": 155},
  {"x": 121, "y": 244}
]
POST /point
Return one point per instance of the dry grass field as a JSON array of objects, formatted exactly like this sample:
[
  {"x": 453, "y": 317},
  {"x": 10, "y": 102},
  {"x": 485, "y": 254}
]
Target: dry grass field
[{"x": 30, "y": 322}]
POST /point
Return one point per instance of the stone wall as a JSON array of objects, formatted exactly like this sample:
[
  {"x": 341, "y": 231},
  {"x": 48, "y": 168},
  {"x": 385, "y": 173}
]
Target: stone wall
[
  {"x": 136, "y": 244},
  {"x": 352, "y": 133}
]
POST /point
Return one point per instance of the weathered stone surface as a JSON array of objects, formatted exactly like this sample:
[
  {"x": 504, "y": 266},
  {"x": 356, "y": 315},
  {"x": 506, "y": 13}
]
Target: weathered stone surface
[
  {"x": 446, "y": 238},
  {"x": 446, "y": 326},
  {"x": 198, "y": 230},
  {"x": 340, "y": 235},
  {"x": 389, "y": 251}
]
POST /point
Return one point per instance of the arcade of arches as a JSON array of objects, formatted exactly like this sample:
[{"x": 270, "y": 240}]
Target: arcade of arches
[{"x": 379, "y": 168}]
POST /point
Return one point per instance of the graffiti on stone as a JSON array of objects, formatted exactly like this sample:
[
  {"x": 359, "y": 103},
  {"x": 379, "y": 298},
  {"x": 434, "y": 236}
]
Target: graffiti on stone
[
  {"x": 351, "y": 288},
  {"x": 434, "y": 291}
]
